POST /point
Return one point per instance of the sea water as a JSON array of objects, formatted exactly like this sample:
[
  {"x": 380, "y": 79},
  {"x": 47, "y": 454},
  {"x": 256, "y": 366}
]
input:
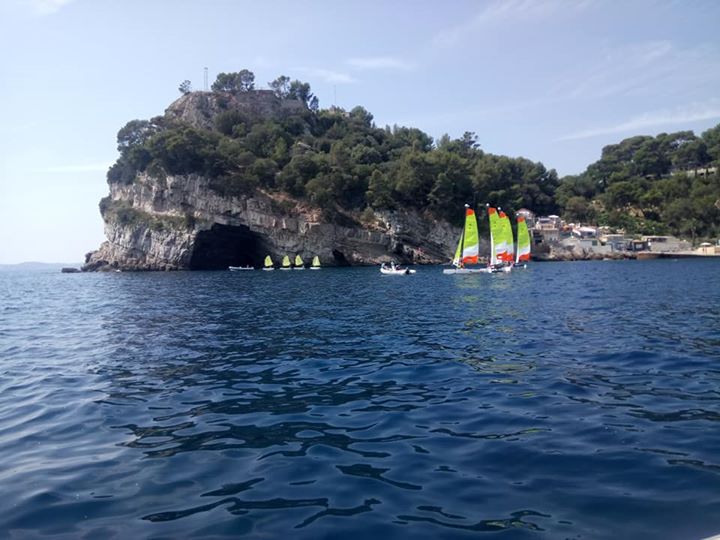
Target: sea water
[{"x": 568, "y": 400}]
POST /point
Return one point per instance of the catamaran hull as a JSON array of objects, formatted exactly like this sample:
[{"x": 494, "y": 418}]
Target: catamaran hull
[
  {"x": 477, "y": 270},
  {"x": 466, "y": 271}
]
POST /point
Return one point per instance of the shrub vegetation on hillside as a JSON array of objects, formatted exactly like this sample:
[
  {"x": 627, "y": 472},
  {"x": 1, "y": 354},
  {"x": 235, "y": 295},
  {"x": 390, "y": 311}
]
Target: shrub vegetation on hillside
[{"x": 340, "y": 160}]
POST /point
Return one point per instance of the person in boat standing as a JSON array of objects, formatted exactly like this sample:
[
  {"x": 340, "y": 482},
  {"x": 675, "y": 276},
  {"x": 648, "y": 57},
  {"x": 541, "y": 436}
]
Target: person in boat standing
[{"x": 394, "y": 267}]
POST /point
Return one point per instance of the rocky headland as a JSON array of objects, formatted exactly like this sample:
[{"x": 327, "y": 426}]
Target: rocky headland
[
  {"x": 228, "y": 176},
  {"x": 160, "y": 221}
]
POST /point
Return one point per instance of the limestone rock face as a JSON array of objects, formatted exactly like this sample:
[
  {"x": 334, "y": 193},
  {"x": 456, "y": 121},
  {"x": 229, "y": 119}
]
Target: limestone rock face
[
  {"x": 181, "y": 223},
  {"x": 199, "y": 109}
]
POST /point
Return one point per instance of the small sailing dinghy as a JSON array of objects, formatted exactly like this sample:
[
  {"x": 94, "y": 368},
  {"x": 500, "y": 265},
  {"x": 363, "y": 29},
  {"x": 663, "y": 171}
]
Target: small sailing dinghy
[
  {"x": 299, "y": 263},
  {"x": 505, "y": 257},
  {"x": 522, "y": 255},
  {"x": 315, "y": 263},
  {"x": 268, "y": 265},
  {"x": 394, "y": 270},
  {"x": 467, "y": 248},
  {"x": 285, "y": 263},
  {"x": 498, "y": 242},
  {"x": 239, "y": 268}
]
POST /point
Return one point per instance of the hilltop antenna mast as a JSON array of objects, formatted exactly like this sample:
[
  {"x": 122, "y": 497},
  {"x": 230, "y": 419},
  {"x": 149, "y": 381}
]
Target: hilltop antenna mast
[{"x": 205, "y": 79}]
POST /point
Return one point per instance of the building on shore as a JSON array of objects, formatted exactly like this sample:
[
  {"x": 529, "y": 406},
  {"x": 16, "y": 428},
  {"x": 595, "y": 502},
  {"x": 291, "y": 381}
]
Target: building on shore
[
  {"x": 706, "y": 248},
  {"x": 617, "y": 242},
  {"x": 666, "y": 244},
  {"x": 550, "y": 234}
]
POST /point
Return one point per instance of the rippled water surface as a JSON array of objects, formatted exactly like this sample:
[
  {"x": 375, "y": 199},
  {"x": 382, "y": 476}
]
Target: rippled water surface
[{"x": 573, "y": 400}]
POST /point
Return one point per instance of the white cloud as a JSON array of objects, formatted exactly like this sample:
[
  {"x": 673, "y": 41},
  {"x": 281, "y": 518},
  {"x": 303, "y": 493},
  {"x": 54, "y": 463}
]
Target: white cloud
[
  {"x": 682, "y": 115},
  {"x": 624, "y": 70},
  {"x": 644, "y": 70},
  {"x": 501, "y": 11},
  {"x": 380, "y": 62},
  {"x": 47, "y": 7},
  {"x": 329, "y": 76}
]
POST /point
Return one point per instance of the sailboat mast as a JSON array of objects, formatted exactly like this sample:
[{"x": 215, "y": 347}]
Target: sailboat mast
[
  {"x": 459, "y": 263},
  {"x": 492, "y": 260}
]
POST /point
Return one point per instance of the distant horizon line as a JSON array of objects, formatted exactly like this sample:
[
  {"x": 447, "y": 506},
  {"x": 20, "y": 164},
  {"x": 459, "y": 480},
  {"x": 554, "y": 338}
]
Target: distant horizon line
[{"x": 44, "y": 263}]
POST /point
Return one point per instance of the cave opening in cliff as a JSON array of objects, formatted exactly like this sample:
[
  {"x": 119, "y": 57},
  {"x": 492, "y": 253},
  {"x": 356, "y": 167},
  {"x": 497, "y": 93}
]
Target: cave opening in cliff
[
  {"x": 339, "y": 257},
  {"x": 226, "y": 245}
]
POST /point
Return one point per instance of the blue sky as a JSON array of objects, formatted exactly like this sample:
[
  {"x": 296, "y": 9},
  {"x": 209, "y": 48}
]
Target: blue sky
[{"x": 553, "y": 81}]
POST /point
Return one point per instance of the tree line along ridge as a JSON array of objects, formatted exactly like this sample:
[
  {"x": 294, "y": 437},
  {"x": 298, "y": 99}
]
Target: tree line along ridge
[{"x": 340, "y": 161}]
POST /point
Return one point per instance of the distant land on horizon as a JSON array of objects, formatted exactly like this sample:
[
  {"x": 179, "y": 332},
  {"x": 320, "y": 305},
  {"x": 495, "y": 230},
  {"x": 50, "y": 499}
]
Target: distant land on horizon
[{"x": 36, "y": 265}]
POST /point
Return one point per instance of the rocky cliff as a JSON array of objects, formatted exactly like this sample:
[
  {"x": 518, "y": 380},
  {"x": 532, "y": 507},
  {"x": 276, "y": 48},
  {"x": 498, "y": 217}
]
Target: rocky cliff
[{"x": 180, "y": 223}]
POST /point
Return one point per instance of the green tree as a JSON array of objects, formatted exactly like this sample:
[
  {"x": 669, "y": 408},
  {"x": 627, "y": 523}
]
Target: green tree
[
  {"x": 185, "y": 87},
  {"x": 621, "y": 194},
  {"x": 301, "y": 91},
  {"x": 232, "y": 123},
  {"x": 690, "y": 155},
  {"x": 362, "y": 116},
  {"x": 281, "y": 86},
  {"x": 135, "y": 133},
  {"x": 413, "y": 177},
  {"x": 320, "y": 191},
  {"x": 241, "y": 81},
  {"x": 579, "y": 209},
  {"x": 711, "y": 137},
  {"x": 379, "y": 193},
  {"x": 187, "y": 150}
]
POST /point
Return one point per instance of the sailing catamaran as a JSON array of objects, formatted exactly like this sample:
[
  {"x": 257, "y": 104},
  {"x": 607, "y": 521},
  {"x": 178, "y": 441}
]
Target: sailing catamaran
[
  {"x": 468, "y": 246},
  {"x": 315, "y": 263},
  {"x": 508, "y": 237},
  {"x": 522, "y": 255},
  {"x": 501, "y": 241},
  {"x": 286, "y": 263},
  {"x": 299, "y": 264},
  {"x": 268, "y": 265}
]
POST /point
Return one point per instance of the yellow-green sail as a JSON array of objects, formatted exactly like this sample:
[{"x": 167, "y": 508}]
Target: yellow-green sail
[
  {"x": 299, "y": 261},
  {"x": 497, "y": 242},
  {"x": 316, "y": 262},
  {"x": 523, "y": 241},
  {"x": 268, "y": 262},
  {"x": 507, "y": 235},
  {"x": 286, "y": 262},
  {"x": 467, "y": 250},
  {"x": 458, "y": 251}
]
